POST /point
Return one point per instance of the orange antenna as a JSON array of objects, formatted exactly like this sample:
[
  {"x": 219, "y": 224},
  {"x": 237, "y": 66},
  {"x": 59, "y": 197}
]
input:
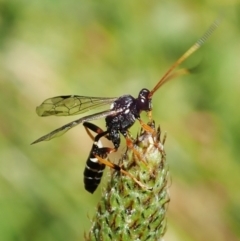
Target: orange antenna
[{"x": 168, "y": 75}]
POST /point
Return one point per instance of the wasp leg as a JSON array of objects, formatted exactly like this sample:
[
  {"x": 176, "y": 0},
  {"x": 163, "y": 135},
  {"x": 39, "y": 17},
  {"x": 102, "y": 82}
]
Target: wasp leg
[
  {"x": 130, "y": 145},
  {"x": 146, "y": 127},
  {"x": 149, "y": 113},
  {"x": 118, "y": 168},
  {"x": 89, "y": 126}
]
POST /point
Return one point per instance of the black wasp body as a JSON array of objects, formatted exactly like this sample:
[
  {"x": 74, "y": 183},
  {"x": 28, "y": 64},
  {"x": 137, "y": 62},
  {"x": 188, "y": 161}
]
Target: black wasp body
[
  {"x": 94, "y": 169},
  {"x": 124, "y": 111},
  {"x": 130, "y": 109}
]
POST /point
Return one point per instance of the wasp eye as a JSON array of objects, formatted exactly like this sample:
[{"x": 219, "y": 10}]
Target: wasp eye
[{"x": 144, "y": 103}]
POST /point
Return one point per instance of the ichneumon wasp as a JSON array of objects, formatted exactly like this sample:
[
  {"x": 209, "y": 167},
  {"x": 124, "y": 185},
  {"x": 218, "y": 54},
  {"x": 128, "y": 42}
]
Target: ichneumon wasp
[{"x": 124, "y": 111}]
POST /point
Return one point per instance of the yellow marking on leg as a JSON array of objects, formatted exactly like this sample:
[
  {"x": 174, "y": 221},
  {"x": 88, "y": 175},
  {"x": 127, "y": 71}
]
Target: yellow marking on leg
[
  {"x": 150, "y": 115},
  {"x": 105, "y": 162},
  {"x": 147, "y": 127},
  {"x": 134, "y": 179},
  {"x": 111, "y": 165},
  {"x": 131, "y": 146}
]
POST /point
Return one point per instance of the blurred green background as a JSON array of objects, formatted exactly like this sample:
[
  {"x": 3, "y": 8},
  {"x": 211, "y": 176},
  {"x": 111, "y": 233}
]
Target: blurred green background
[{"x": 110, "y": 48}]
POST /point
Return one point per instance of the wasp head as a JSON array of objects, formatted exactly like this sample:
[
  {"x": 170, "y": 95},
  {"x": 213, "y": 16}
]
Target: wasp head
[{"x": 144, "y": 103}]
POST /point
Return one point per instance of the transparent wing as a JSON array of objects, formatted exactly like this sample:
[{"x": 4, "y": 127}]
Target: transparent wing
[
  {"x": 70, "y": 105},
  {"x": 60, "y": 131}
]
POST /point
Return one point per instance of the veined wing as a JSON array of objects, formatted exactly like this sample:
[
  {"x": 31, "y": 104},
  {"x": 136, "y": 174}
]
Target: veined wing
[
  {"x": 60, "y": 131},
  {"x": 71, "y": 105}
]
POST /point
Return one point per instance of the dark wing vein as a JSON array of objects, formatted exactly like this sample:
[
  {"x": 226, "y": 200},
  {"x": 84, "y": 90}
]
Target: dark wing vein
[
  {"x": 60, "y": 131},
  {"x": 70, "y": 105}
]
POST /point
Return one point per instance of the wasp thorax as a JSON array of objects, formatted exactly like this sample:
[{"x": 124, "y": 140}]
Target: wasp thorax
[{"x": 143, "y": 101}]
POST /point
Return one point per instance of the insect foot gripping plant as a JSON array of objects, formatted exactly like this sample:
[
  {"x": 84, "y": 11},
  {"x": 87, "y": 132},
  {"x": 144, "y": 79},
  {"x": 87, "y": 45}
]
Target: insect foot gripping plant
[{"x": 133, "y": 207}]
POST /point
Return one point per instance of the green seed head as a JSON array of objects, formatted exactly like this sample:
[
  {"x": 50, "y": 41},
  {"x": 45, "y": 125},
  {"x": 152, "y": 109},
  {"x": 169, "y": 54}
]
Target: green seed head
[{"x": 133, "y": 205}]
